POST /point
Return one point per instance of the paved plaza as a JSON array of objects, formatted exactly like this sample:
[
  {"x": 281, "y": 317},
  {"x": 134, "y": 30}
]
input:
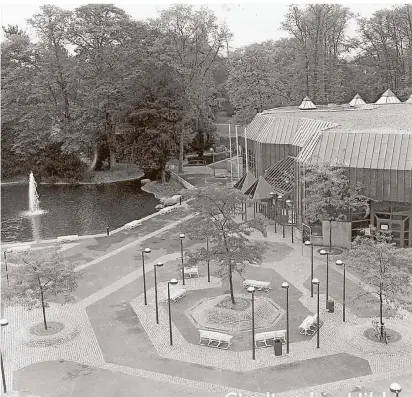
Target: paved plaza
[{"x": 112, "y": 345}]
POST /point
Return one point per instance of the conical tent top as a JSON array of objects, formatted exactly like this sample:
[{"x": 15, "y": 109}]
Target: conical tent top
[
  {"x": 307, "y": 104},
  {"x": 409, "y": 100},
  {"x": 387, "y": 97},
  {"x": 356, "y": 101}
]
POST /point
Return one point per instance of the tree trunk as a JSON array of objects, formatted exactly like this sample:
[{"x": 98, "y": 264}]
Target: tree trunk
[
  {"x": 381, "y": 307},
  {"x": 163, "y": 174},
  {"x": 42, "y": 305},
  {"x": 232, "y": 296},
  {"x": 181, "y": 149},
  {"x": 330, "y": 236}
]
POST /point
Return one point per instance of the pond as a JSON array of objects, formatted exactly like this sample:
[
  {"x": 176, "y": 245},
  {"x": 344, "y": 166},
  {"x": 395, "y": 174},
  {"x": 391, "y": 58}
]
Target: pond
[{"x": 72, "y": 209}]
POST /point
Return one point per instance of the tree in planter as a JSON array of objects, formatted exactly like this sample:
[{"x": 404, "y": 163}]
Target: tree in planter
[
  {"x": 329, "y": 196},
  {"x": 384, "y": 267},
  {"x": 41, "y": 276},
  {"x": 229, "y": 246}
]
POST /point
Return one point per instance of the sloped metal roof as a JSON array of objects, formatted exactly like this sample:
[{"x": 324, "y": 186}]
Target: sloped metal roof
[
  {"x": 308, "y": 128},
  {"x": 281, "y": 175},
  {"x": 365, "y": 149},
  {"x": 245, "y": 182},
  {"x": 275, "y": 130},
  {"x": 259, "y": 190}
]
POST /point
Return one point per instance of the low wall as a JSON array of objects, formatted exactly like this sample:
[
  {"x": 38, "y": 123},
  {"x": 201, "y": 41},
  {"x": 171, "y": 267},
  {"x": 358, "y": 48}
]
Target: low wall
[{"x": 185, "y": 183}]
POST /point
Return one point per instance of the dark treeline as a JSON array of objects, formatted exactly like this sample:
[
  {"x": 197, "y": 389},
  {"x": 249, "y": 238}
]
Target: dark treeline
[{"x": 97, "y": 85}]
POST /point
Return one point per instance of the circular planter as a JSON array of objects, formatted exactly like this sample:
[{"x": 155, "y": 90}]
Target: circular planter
[{"x": 57, "y": 333}]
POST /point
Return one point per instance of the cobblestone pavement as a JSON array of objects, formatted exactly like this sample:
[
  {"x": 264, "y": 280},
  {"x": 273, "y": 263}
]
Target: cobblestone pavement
[{"x": 386, "y": 361}]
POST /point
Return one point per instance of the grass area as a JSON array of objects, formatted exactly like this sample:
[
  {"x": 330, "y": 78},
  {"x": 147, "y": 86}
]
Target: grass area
[
  {"x": 167, "y": 189},
  {"x": 120, "y": 172}
]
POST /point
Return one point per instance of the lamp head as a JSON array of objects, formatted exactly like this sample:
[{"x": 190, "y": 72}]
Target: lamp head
[
  {"x": 288, "y": 202},
  {"x": 272, "y": 194},
  {"x": 159, "y": 264},
  {"x": 251, "y": 289},
  {"x": 322, "y": 252},
  {"x": 182, "y": 235},
  {"x": 280, "y": 197},
  {"x": 307, "y": 242},
  {"x": 339, "y": 262},
  {"x": 173, "y": 281},
  {"x": 147, "y": 251},
  {"x": 211, "y": 150},
  {"x": 285, "y": 285},
  {"x": 395, "y": 388},
  {"x": 3, "y": 322},
  {"x": 315, "y": 281}
]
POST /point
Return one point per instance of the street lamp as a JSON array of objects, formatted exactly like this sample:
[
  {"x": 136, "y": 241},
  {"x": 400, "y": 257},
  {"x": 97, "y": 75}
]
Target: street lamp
[
  {"x": 280, "y": 197},
  {"x": 340, "y": 263},
  {"x": 285, "y": 285},
  {"x": 158, "y": 264},
  {"x": 182, "y": 236},
  {"x": 251, "y": 290},
  {"x": 214, "y": 169},
  {"x": 145, "y": 251},
  {"x": 307, "y": 243},
  {"x": 395, "y": 388},
  {"x": 274, "y": 196},
  {"x": 173, "y": 281},
  {"x": 290, "y": 205},
  {"x": 208, "y": 261},
  {"x": 323, "y": 252},
  {"x": 317, "y": 282},
  {"x": 5, "y": 262},
  {"x": 3, "y": 323}
]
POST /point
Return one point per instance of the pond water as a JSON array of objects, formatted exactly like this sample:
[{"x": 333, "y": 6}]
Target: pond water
[{"x": 72, "y": 209}]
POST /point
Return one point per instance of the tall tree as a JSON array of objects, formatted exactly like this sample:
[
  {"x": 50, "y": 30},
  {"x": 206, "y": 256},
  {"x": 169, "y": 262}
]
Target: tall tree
[
  {"x": 40, "y": 277},
  {"x": 230, "y": 247},
  {"x": 329, "y": 196},
  {"x": 384, "y": 268},
  {"x": 189, "y": 41}
]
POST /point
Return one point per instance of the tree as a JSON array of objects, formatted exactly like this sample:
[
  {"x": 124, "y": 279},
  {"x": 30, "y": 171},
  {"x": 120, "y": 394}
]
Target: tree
[
  {"x": 188, "y": 41},
  {"x": 215, "y": 207},
  {"x": 40, "y": 276},
  {"x": 385, "y": 268},
  {"x": 329, "y": 196}
]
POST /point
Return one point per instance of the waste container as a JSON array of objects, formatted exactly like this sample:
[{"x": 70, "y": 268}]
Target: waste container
[
  {"x": 278, "y": 347},
  {"x": 330, "y": 306}
]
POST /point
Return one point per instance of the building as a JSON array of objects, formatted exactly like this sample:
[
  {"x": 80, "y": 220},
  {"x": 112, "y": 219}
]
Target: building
[{"x": 374, "y": 143}]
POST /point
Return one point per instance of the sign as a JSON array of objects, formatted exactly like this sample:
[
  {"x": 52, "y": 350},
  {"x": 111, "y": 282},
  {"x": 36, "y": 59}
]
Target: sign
[
  {"x": 384, "y": 227},
  {"x": 367, "y": 231}
]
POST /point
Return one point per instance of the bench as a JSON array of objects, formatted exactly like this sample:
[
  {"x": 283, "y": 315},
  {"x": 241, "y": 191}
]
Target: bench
[
  {"x": 264, "y": 337},
  {"x": 176, "y": 294},
  {"x": 259, "y": 285},
  {"x": 65, "y": 239},
  {"x": 191, "y": 271},
  {"x": 208, "y": 338},
  {"x": 310, "y": 322}
]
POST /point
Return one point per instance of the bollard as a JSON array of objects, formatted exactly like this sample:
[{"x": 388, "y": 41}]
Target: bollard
[
  {"x": 180, "y": 200},
  {"x": 107, "y": 230}
]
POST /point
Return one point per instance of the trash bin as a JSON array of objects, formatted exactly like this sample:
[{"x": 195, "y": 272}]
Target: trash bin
[
  {"x": 330, "y": 306},
  {"x": 277, "y": 347}
]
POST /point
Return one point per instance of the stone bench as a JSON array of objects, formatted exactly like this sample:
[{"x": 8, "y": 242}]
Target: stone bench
[
  {"x": 264, "y": 337},
  {"x": 176, "y": 294},
  {"x": 64, "y": 239},
  {"x": 208, "y": 338},
  {"x": 306, "y": 328},
  {"x": 259, "y": 285}
]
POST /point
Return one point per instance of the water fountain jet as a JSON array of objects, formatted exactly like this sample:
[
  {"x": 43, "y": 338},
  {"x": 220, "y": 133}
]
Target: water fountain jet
[{"x": 34, "y": 202}]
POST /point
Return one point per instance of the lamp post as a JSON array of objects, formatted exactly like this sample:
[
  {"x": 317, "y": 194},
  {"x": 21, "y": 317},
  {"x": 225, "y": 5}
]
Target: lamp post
[
  {"x": 290, "y": 205},
  {"x": 340, "y": 263},
  {"x": 158, "y": 264},
  {"x": 285, "y": 285},
  {"x": 251, "y": 290},
  {"x": 3, "y": 323},
  {"x": 316, "y": 281},
  {"x": 173, "y": 281},
  {"x": 280, "y": 197},
  {"x": 182, "y": 236},
  {"x": 307, "y": 243},
  {"x": 145, "y": 251},
  {"x": 208, "y": 261},
  {"x": 5, "y": 262},
  {"x": 323, "y": 252},
  {"x": 214, "y": 169},
  {"x": 274, "y": 196},
  {"x": 395, "y": 388}
]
